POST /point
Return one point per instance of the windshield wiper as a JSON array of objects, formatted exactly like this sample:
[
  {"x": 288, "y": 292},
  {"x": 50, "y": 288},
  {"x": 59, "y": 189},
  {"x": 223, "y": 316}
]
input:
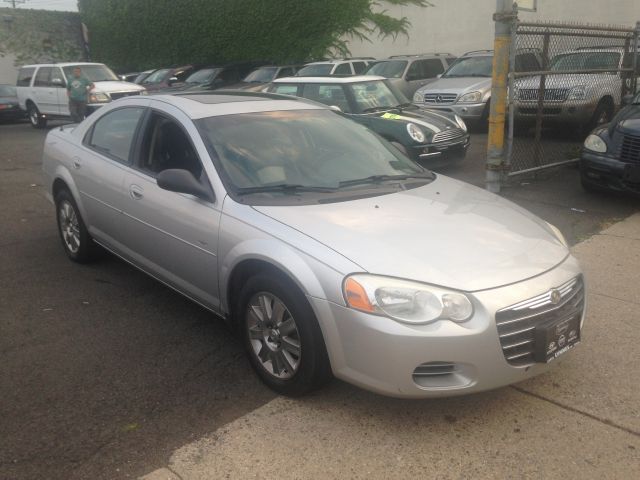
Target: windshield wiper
[
  {"x": 374, "y": 179},
  {"x": 377, "y": 109},
  {"x": 286, "y": 188}
]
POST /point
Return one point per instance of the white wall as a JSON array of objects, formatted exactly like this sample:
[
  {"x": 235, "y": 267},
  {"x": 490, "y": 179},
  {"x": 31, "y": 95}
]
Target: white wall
[{"x": 457, "y": 26}]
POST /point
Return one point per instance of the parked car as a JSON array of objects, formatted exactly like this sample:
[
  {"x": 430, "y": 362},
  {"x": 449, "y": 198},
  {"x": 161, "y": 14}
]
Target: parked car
[
  {"x": 42, "y": 89},
  {"x": 257, "y": 79},
  {"x": 142, "y": 75},
  {"x": 216, "y": 76},
  {"x": 610, "y": 157},
  {"x": 167, "y": 77},
  {"x": 9, "y": 106},
  {"x": 344, "y": 66},
  {"x": 582, "y": 99},
  {"x": 129, "y": 77},
  {"x": 430, "y": 138},
  {"x": 465, "y": 88},
  {"x": 410, "y": 72},
  {"x": 329, "y": 250}
]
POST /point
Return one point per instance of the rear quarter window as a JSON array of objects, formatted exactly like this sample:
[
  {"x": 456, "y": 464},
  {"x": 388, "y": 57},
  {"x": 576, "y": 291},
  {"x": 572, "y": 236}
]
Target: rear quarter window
[{"x": 24, "y": 76}]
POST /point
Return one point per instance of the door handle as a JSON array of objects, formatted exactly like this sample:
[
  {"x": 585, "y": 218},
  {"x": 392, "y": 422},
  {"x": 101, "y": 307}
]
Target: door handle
[
  {"x": 76, "y": 163},
  {"x": 136, "y": 192}
]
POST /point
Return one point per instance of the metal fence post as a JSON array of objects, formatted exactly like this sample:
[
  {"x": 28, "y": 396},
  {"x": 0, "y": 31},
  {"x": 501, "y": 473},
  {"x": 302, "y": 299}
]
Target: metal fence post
[
  {"x": 542, "y": 89},
  {"x": 495, "y": 148}
]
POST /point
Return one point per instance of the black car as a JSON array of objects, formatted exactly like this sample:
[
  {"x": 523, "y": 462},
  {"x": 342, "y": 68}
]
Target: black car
[
  {"x": 430, "y": 138},
  {"x": 214, "y": 77},
  {"x": 9, "y": 107},
  {"x": 258, "y": 78},
  {"x": 610, "y": 157}
]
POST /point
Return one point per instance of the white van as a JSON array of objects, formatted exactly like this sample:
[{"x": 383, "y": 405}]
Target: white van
[{"x": 42, "y": 89}]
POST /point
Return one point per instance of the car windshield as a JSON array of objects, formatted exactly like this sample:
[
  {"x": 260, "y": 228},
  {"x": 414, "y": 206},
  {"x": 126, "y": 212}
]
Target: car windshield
[
  {"x": 158, "y": 76},
  {"x": 586, "y": 61},
  {"x": 319, "y": 70},
  {"x": 316, "y": 150},
  {"x": 7, "y": 91},
  {"x": 389, "y": 69},
  {"x": 261, "y": 75},
  {"x": 142, "y": 76},
  {"x": 95, "y": 73},
  {"x": 471, "y": 67},
  {"x": 376, "y": 95},
  {"x": 203, "y": 76}
]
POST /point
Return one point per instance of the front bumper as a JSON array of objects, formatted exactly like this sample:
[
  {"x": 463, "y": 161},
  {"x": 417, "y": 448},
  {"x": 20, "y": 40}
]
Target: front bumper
[
  {"x": 440, "y": 154},
  {"x": 381, "y": 355},
  {"x": 471, "y": 112},
  {"x": 605, "y": 171},
  {"x": 561, "y": 112}
]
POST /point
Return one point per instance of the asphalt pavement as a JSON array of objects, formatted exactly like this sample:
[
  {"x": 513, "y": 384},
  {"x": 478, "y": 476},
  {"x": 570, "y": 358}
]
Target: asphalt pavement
[{"x": 105, "y": 372}]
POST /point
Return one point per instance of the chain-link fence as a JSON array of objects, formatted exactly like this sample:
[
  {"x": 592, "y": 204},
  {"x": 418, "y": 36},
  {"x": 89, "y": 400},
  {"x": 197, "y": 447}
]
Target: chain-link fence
[{"x": 564, "y": 81}]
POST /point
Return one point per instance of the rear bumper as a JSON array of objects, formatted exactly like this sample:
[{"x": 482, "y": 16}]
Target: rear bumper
[
  {"x": 603, "y": 171},
  {"x": 382, "y": 355}
]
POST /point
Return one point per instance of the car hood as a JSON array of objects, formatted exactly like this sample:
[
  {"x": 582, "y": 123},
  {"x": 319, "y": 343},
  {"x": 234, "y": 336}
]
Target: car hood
[
  {"x": 561, "y": 81},
  {"x": 434, "y": 122},
  {"x": 457, "y": 85},
  {"x": 446, "y": 233},
  {"x": 114, "y": 86},
  {"x": 628, "y": 120}
]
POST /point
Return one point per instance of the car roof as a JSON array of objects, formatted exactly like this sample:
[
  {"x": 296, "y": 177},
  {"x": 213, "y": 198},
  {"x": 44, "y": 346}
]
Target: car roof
[
  {"x": 228, "y": 102},
  {"x": 417, "y": 56},
  {"x": 352, "y": 79},
  {"x": 61, "y": 64}
]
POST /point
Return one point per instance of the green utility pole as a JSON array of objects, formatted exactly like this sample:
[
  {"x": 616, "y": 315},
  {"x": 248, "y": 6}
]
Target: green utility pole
[
  {"x": 13, "y": 2},
  {"x": 503, "y": 18}
]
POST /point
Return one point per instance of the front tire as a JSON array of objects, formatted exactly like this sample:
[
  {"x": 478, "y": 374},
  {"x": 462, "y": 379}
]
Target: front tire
[
  {"x": 37, "y": 121},
  {"x": 76, "y": 241},
  {"x": 282, "y": 336}
]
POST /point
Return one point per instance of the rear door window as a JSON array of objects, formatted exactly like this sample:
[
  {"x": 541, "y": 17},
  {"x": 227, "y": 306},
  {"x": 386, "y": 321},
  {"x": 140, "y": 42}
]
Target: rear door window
[
  {"x": 24, "y": 76},
  {"x": 343, "y": 69},
  {"x": 43, "y": 77},
  {"x": 286, "y": 89},
  {"x": 359, "y": 67},
  {"x": 433, "y": 67},
  {"x": 113, "y": 134},
  {"x": 416, "y": 71},
  {"x": 332, "y": 95}
]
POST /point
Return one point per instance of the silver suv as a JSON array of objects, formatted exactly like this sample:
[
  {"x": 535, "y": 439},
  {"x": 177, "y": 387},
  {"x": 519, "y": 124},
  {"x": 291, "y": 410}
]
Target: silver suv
[
  {"x": 465, "y": 88},
  {"x": 584, "y": 99},
  {"x": 410, "y": 72}
]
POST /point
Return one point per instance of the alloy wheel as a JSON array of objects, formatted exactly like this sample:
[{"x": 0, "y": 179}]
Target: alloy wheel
[
  {"x": 69, "y": 226},
  {"x": 273, "y": 335}
]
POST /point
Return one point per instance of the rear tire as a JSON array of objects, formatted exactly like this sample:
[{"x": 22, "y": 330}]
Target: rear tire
[
  {"x": 37, "y": 121},
  {"x": 281, "y": 335},
  {"x": 76, "y": 241}
]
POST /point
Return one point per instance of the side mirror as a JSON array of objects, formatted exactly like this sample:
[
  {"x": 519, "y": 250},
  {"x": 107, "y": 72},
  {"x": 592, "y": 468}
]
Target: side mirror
[
  {"x": 172, "y": 80},
  {"x": 183, "y": 181},
  {"x": 57, "y": 82},
  {"x": 335, "y": 108},
  {"x": 627, "y": 99},
  {"x": 439, "y": 75}
]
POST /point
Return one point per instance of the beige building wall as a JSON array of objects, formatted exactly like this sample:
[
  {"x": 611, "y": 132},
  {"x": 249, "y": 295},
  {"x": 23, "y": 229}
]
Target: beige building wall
[{"x": 457, "y": 26}]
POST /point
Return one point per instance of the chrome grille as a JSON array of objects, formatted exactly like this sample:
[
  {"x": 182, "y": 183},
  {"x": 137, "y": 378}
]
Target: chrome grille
[
  {"x": 448, "y": 135},
  {"x": 550, "y": 94},
  {"x": 630, "y": 149},
  {"x": 117, "y": 95},
  {"x": 517, "y": 323},
  {"x": 440, "y": 98}
]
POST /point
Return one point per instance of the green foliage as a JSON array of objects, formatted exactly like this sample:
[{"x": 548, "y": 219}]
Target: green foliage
[{"x": 140, "y": 34}]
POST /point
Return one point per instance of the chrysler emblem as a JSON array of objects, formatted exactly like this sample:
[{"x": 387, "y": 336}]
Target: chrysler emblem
[{"x": 555, "y": 296}]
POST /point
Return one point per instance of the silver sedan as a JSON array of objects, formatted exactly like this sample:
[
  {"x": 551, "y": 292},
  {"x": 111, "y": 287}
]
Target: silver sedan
[{"x": 330, "y": 252}]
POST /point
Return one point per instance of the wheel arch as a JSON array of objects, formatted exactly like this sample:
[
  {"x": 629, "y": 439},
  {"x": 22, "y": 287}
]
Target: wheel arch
[{"x": 62, "y": 180}]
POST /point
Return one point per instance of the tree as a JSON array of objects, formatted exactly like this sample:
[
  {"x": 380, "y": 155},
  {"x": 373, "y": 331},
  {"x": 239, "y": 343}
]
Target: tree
[{"x": 138, "y": 34}]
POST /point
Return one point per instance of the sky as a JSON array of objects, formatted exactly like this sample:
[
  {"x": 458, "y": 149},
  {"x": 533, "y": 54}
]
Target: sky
[{"x": 67, "y": 5}]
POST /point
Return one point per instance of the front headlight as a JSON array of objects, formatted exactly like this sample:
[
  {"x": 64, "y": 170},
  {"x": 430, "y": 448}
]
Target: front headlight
[
  {"x": 461, "y": 123},
  {"x": 416, "y": 133},
  {"x": 556, "y": 231},
  {"x": 578, "y": 93},
  {"x": 418, "y": 98},
  {"x": 471, "y": 97},
  {"x": 595, "y": 144},
  {"x": 405, "y": 301},
  {"x": 99, "y": 98}
]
